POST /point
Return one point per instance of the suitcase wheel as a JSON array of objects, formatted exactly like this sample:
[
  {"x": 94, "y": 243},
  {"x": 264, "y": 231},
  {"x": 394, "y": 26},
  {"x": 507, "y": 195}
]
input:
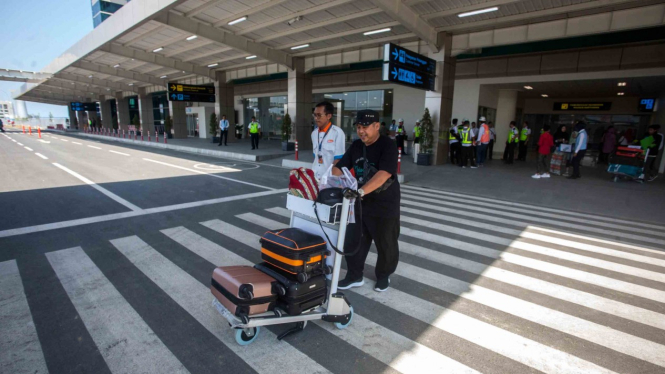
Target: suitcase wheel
[
  {"x": 302, "y": 277},
  {"x": 281, "y": 291},
  {"x": 247, "y": 336},
  {"x": 327, "y": 270},
  {"x": 341, "y": 325}
]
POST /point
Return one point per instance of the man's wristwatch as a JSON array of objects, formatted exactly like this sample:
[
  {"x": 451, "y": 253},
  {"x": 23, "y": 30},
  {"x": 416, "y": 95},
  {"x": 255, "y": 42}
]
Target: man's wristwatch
[{"x": 361, "y": 192}]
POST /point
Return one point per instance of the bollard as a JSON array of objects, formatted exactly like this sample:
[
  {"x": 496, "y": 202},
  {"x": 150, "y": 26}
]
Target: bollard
[
  {"x": 30, "y": 130},
  {"x": 23, "y": 129},
  {"x": 134, "y": 135},
  {"x": 399, "y": 160},
  {"x": 148, "y": 135},
  {"x": 156, "y": 136},
  {"x": 123, "y": 134},
  {"x": 39, "y": 130},
  {"x": 296, "y": 150},
  {"x": 164, "y": 137},
  {"x": 142, "y": 135}
]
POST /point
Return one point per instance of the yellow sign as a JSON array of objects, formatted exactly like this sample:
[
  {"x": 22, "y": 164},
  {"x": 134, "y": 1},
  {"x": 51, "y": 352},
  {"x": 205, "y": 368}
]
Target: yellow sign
[
  {"x": 564, "y": 106},
  {"x": 583, "y": 106},
  {"x": 191, "y": 89}
]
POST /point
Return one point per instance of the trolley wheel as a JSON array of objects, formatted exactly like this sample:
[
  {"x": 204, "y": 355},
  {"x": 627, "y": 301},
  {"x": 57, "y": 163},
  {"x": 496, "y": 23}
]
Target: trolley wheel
[
  {"x": 278, "y": 312},
  {"x": 244, "y": 319},
  {"x": 302, "y": 277},
  {"x": 327, "y": 270},
  {"x": 247, "y": 336},
  {"x": 281, "y": 290},
  {"x": 341, "y": 325}
]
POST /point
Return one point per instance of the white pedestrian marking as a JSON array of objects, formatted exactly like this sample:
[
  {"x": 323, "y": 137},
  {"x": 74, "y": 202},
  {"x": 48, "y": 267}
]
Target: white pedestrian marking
[
  {"x": 209, "y": 174},
  {"x": 29, "y": 149},
  {"x": 73, "y": 142},
  {"x": 42, "y": 156},
  {"x": 64, "y": 140},
  {"x": 120, "y": 153},
  {"x": 20, "y": 350},
  {"x": 125, "y": 341},
  {"x": 116, "y": 216},
  {"x": 103, "y": 190},
  {"x": 20, "y": 144},
  {"x": 92, "y": 146},
  {"x": 265, "y": 354},
  {"x": 44, "y": 141}
]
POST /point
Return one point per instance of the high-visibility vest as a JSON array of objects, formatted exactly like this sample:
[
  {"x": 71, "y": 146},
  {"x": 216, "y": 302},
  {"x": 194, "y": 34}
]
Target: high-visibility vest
[
  {"x": 465, "y": 136},
  {"x": 416, "y": 130},
  {"x": 524, "y": 134},
  {"x": 511, "y": 136},
  {"x": 486, "y": 134},
  {"x": 400, "y": 130},
  {"x": 254, "y": 128},
  {"x": 451, "y": 134}
]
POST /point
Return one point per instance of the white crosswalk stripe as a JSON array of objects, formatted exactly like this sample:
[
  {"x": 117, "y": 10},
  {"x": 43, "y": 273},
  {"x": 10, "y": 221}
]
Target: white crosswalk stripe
[{"x": 126, "y": 342}]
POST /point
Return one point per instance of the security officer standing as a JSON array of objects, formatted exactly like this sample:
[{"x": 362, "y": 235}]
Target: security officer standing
[
  {"x": 509, "y": 153},
  {"x": 223, "y": 130},
  {"x": 254, "y": 132},
  {"x": 373, "y": 158},
  {"x": 525, "y": 135},
  {"x": 466, "y": 138},
  {"x": 328, "y": 140},
  {"x": 400, "y": 134},
  {"x": 417, "y": 130},
  {"x": 455, "y": 151}
]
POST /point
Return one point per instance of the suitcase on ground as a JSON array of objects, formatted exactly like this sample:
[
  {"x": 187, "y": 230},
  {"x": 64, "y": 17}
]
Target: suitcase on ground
[
  {"x": 243, "y": 290},
  {"x": 298, "y": 297},
  {"x": 295, "y": 251}
]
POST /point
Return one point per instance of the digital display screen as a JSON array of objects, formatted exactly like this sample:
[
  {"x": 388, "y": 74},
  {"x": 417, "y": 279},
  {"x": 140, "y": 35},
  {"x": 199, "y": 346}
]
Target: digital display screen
[{"x": 647, "y": 105}]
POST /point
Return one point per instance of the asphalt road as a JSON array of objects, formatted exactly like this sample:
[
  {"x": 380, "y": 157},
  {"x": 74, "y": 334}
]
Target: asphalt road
[{"x": 106, "y": 253}]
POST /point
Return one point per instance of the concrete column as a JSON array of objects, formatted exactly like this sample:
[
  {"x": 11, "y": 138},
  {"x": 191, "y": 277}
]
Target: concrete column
[
  {"x": 505, "y": 112},
  {"x": 440, "y": 101},
  {"x": 224, "y": 104},
  {"x": 146, "y": 115},
  {"x": 178, "y": 114},
  {"x": 105, "y": 109},
  {"x": 82, "y": 120},
  {"x": 299, "y": 104},
  {"x": 122, "y": 108},
  {"x": 73, "y": 120}
]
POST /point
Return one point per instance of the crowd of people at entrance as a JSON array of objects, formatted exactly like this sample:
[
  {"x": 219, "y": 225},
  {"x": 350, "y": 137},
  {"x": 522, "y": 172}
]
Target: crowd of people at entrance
[{"x": 470, "y": 144}]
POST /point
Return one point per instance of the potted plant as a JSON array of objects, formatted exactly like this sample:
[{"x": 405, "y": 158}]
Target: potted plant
[
  {"x": 426, "y": 140},
  {"x": 238, "y": 128},
  {"x": 214, "y": 125},
  {"x": 286, "y": 134},
  {"x": 168, "y": 125},
  {"x": 137, "y": 125}
]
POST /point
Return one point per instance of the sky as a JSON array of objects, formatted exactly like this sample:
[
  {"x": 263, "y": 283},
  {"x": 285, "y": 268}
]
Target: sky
[{"x": 33, "y": 33}]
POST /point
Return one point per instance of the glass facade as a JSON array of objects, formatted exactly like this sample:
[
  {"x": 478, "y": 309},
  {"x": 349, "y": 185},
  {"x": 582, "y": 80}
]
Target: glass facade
[
  {"x": 269, "y": 112},
  {"x": 103, "y": 9},
  {"x": 160, "y": 109}
]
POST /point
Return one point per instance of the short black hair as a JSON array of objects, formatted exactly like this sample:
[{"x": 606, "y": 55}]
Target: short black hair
[
  {"x": 526, "y": 123},
  {"x": 454, "y": 121},
  {"x": 253, "y": 117},
  {"x": 546, "y": 128},
  {"x": 512, "y": 123},
  {"x": 328, "y": 108},
  {"x": 223, "y": 115}
]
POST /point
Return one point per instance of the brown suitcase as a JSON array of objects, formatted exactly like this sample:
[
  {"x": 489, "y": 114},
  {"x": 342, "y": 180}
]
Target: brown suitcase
[{"x": 243, "y": 290}]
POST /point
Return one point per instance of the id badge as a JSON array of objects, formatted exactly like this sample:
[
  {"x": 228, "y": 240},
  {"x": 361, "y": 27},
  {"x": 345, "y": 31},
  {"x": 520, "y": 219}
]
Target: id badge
[{"x": 320, "y": 159}]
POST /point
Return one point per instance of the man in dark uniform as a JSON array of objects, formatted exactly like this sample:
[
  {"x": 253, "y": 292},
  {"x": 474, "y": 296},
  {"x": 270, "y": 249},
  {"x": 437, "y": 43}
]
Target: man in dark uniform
[{"x": 377, "y": 212}]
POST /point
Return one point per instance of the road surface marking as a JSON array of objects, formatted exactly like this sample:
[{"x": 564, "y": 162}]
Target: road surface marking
[
  {"x": 195, "y": 298},
  {"x": 20, "y": 144},
  {"x": 64, "y": 140},
  {"x": 99, "y": 188},
  {"x": 212, "y": 175},
  {"x": 20, "y": 350},
  {"x": 73, "y": 142},
  {"x": 124, "y": 339},
  {"x": 92, "y": 146},
  {"x": 120, "y": 153},
  {"x": 42, "y": 156},
  {"x": 116, "y": 216},
  {"x": 28, "y": 148},
  {"x": 44, "y": 141}
]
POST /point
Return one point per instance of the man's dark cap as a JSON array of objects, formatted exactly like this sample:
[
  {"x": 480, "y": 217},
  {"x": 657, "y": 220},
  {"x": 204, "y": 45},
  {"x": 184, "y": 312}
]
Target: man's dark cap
[{"x": 367, "y": 117}]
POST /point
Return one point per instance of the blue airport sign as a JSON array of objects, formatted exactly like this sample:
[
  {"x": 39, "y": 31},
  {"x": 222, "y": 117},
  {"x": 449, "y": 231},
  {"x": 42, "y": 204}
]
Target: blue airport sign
[
  {"x": 646, "y": 105},
  {"x": 83, "y": 107},
  {"x": 204, "y": 98},
  {"x": 408, "y": 77},
  {"x": 400, "y": 56}
]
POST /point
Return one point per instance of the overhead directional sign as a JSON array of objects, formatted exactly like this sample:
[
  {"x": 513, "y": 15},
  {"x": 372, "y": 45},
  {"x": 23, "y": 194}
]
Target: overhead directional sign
[
  {"x": 408, "y": 59},
  {"x": 174, "y": 96},
  {"x": 191, "y": 89},
  {"x": 409, "y": 77},
  {"x": 83, "y": 107},
  {"x": 583, "y": 106}
]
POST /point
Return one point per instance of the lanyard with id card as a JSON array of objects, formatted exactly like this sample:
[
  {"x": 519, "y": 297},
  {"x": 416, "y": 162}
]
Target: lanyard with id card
[{"x": 320, "y": 155}]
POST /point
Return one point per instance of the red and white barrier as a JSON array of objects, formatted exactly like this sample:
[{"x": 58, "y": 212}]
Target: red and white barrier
[
  {"x": 39, "y": 130},
  {"x": 148, "y": 135},
  {"x": 164, "y": 137},
  {"x": 296, "y": 150},
  {"x": 399, "y": 160}
]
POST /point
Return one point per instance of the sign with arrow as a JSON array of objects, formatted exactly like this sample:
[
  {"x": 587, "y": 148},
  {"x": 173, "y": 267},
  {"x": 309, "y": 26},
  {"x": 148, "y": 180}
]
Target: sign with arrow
[
  {"x": 83, "y": 107},
  {"x": 190, "y": 88},
  {"x": 174, "y": 96},
  {"x": 408, "y": 59},
  {"x": 408, "y": 77}
]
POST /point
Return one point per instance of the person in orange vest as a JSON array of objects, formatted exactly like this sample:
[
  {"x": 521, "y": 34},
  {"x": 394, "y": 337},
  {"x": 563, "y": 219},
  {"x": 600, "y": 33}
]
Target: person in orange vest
[{"x": 482, "y": 141}]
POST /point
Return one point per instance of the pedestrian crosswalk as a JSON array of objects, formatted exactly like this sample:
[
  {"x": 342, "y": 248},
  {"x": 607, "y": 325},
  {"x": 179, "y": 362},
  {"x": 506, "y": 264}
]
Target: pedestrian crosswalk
[{"x": 483, "y": 286}]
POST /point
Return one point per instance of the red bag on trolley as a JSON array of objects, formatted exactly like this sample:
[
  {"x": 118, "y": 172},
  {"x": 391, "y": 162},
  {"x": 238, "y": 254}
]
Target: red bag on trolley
[{"x": 303, "y": 184}]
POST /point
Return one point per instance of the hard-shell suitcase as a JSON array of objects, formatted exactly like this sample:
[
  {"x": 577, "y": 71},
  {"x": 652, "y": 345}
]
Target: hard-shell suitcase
[
  {"x": 295, "y": 251},
  {"x": 298, "y": 297},
  {"x": 243, "y": 290}
]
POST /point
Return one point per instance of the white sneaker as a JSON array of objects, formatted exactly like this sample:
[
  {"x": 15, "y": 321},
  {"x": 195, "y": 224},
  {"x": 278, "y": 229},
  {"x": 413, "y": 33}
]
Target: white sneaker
[
  {"x": 474, "y": 167},
  {"x": 546, "y": 175},
  {"x": 536, "y": 176}
]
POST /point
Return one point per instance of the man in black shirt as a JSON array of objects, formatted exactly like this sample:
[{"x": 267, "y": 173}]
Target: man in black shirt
[{"x": 378, "y": 218}]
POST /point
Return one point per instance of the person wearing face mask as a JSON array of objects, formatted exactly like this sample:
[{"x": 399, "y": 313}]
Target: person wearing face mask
[{"x": 373, "y": 160}]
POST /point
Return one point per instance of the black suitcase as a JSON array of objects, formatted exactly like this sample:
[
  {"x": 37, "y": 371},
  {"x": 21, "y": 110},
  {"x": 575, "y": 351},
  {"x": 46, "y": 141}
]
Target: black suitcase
[
  {"x": 298, "y": 296},
  {"x": 295, "y": 251}
]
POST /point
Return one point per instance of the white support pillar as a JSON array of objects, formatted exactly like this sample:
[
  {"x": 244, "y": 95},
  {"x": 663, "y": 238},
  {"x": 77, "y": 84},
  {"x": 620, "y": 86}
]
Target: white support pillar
[
  {"x": 505, "y": 112},
  {"x": 224, "y": 104},
  {"x": 146, "y": 115},
  {"x": 122, "y": 109},
  {"x": 299, "y": 104}
]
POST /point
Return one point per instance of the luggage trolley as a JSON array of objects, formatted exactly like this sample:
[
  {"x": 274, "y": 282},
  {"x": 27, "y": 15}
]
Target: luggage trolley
[
  {"x": 629, "y": 163},
  {"x": 336, "y": 309}
]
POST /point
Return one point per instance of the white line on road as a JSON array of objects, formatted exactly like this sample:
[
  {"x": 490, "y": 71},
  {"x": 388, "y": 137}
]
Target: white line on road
[
  {"x": 64, "y": 140},
  {"x": 120, "y": 153},
  {"x": 14, "y": 140},
  {"x": 42, "y": 156},
  {"x": 92, "y": 146},
  {"x": 44, "y": 141},
  {"x": 77, "y": 143},
  {"x": 212, "y": 175},
  {"x": 20, "y": 144},
  {"x": 99, "y": 188},
  {"x": 28, "y": 148},
  {"x": 114, "y": 216}
]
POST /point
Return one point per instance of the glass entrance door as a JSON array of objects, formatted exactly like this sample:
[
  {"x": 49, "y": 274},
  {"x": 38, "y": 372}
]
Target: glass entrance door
[{"x": 192, "y": 125}]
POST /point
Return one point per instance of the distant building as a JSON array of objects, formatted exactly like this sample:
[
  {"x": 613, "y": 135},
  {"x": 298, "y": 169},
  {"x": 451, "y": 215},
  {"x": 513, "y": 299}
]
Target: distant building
[
  {"x": 6, "y": 110},
  {"x": 103, "y": 9}
]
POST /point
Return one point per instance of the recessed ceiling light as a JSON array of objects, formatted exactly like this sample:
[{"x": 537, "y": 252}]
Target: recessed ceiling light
[
  {"x": 158, "y": 49},
  {"x": 131, "y": 84},
  {"x": 621, "y": 84},
  {"x": 163, "y": 76},
  {"x": 377, "y": 31},
  {"x": 192, "y": 37},
  {"x": 116, "y": 66},
  {"x": 213, "y": 65},
  {"x": 544, "y": 95},
  {"x": 250, "y": 57},
  {"x": 481, "y": 11},
  {"x": 90, "y": 76},
  {"x": 620, "y": 93},
  {"x": 301, "y": 46},
  {"x": 238, "y": 20},
  {"x": 528, "y": 87}
]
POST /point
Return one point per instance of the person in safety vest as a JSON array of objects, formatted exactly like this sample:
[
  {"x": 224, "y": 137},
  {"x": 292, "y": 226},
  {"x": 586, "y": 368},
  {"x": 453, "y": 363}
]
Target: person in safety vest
[
  {"x": 254, "y": 132},
  {"x": 482, "y": 141},
  {"x": 417, "y": 130},
  {"x": 490, "y": 148},
  {"x": 453, "y": 140},
  {"x": 651, "y": 142},
  {"x": 509, "y": 154},
  {"x": 400, "y": 134},
  {"x": 525, "y": 136},
  {"x": 466, "y": 140}
]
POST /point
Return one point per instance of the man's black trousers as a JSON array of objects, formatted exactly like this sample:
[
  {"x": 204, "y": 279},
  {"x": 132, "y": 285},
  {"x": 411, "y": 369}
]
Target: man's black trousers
[
  {"x": 521, "y": 155},
  {"x": 255, "y": 140},
  {"x": 384, "y": 231},
  {"x": 224, "y": 136}
]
